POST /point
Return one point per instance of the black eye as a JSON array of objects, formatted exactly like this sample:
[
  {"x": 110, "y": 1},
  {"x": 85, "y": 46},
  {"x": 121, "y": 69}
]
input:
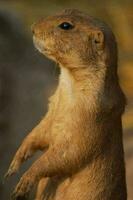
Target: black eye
[{"x": 66, "y": 26}]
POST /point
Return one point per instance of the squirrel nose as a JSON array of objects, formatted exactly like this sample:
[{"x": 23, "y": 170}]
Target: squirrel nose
[{"x": 33, "y": 28}]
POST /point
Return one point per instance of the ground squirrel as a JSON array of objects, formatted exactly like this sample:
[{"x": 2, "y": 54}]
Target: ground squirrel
[{"x": 81, "y": 134}]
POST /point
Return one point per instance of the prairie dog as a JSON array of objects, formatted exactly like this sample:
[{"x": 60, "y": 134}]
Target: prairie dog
[{"x": 81, "y": 135}]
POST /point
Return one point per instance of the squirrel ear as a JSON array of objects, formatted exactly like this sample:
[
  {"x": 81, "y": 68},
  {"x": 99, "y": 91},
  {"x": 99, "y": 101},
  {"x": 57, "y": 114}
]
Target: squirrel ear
[{"x": 98, "y": 39}]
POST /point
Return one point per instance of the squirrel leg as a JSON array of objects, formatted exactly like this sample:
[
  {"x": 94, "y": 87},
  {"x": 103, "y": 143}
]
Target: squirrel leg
[
  {"x": 36, "y": 140},
  {"x": 59, "y": 159},
  {"x": 40, "y": 189}
]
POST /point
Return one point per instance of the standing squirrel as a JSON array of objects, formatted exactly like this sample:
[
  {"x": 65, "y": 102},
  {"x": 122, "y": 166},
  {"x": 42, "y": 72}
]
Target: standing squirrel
[{"x": 81, "y": 134}]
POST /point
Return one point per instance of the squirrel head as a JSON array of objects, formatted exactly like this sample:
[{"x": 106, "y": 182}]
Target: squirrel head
[{"x": 74, "y": 39}]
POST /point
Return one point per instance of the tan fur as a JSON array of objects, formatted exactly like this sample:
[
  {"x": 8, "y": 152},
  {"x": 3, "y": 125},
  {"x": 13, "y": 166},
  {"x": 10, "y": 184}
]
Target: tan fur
[{"x": 82, "y": 132}]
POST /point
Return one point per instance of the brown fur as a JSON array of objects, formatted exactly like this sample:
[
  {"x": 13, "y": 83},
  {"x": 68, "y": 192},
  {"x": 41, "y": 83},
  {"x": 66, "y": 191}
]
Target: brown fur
[{"x": 82, "y": 132}]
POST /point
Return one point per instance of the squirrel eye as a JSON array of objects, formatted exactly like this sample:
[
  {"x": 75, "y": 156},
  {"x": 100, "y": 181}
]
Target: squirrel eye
[{"x": 66, "y": 26}]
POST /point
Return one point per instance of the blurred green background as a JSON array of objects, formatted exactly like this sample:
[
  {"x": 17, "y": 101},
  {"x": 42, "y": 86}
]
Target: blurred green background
[{"x": 27, "y": 79}]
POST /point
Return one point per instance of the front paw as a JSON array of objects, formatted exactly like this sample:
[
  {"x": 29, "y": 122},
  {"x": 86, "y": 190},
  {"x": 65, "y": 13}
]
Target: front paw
[
  {"x": 23, "y": 187},
  {"x": 14, "y": 166},
  {"x": 24, "y": 152}
]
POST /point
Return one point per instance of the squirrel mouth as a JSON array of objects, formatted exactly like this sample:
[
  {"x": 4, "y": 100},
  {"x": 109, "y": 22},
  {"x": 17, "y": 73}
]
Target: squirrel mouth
[{"x": 40, "y": 46}]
